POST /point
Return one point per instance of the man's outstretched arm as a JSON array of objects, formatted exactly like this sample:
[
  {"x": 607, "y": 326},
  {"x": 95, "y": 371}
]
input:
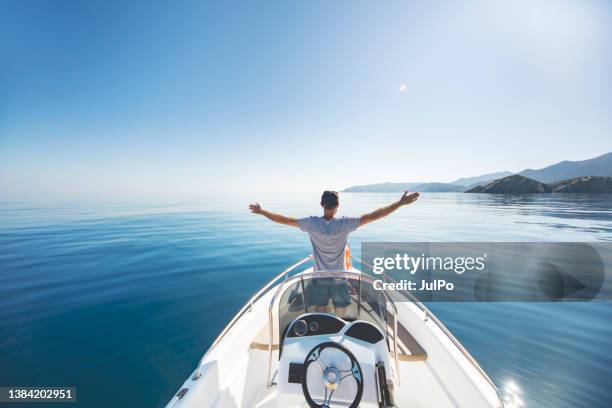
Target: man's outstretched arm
[
  {"x": 281, "y": 219},
  {"x": 384, "y": 211}
]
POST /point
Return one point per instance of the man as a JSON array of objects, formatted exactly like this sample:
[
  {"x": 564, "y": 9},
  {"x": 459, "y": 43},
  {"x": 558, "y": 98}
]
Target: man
[{"x": 329, "y": 237}]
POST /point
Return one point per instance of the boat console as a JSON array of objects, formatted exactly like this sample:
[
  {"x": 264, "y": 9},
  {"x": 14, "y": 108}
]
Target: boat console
[{"x": 329, "y": 361}]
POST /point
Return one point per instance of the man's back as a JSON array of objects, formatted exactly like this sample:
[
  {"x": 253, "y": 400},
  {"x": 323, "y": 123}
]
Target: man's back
[{"x": 329, "y": 238}]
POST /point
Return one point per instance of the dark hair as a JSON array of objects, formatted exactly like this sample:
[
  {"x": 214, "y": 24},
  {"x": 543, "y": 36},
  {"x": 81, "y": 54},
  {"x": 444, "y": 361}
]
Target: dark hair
[{"x": 329, "y": 199}]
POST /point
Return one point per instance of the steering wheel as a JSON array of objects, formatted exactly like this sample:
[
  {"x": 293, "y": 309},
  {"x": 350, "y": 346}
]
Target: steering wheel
[{"x": 332, "y": 374}]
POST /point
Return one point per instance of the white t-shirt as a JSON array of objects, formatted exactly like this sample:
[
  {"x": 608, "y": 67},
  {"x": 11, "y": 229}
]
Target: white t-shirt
[{"x": 329, "y": 238}]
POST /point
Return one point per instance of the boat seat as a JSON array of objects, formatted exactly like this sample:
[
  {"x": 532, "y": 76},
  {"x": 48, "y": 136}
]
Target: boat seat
[
  {"x": 260, "y": 341},
  {"x": 409, "y": 349},
  {"x": 263, "y": 346}
]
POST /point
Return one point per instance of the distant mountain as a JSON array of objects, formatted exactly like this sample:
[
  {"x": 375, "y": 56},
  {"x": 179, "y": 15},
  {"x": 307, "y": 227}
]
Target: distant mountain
[
  {"x": 517, "y": 184},
  {"x": 598, "y": 166},
  {"x": 438, "y": 188},
  {"x": 381, "y": 188},
  {"x": 481, "y": 180},
  {"x": 514, "y": 184},
  {"x": 401, "y": 187},
  {"x": 583, "y": 185}
]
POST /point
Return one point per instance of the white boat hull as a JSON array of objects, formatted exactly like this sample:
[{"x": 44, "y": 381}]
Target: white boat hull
[{"x": 433, "y": 368}]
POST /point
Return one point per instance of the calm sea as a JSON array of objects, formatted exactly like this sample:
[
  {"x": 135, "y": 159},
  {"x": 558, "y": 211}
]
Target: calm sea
[{"x": 121, "y": 300}]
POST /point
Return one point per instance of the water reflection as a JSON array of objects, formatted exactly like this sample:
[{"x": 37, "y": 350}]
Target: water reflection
[{"x": 512, "y": 395}]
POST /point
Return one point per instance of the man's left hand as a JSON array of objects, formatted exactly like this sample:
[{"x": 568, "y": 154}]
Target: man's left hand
[{"x": 408, "y": 198}]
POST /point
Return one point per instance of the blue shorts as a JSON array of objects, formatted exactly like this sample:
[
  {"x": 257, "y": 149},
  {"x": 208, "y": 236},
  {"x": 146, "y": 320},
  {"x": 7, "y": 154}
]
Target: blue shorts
[{"x": 319, "y": 292}]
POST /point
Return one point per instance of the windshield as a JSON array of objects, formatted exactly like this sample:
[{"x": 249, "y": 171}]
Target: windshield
[{"x": 348, "y": 295}]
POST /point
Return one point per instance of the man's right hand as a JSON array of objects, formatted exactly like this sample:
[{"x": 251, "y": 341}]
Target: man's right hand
[
  {"x": 255, "y": 208},
  {"x": 408, "y": 198}
]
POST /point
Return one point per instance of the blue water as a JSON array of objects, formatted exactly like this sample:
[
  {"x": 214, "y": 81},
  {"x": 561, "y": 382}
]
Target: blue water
[{"x": 121, "y": 300}]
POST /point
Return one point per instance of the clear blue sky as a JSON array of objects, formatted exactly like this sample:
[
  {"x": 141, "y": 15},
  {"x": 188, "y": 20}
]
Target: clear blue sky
[{"x": 104, "y": 99}]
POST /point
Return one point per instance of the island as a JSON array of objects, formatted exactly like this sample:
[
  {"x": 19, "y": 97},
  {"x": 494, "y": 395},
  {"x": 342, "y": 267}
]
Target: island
[
  {"x": 514, "y": 184},
  {"x": 588, "y": 184},
  {"x": 517, "y": 184}
]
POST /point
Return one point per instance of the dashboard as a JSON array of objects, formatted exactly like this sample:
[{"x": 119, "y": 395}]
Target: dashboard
[{"x": 317, "y": 324}]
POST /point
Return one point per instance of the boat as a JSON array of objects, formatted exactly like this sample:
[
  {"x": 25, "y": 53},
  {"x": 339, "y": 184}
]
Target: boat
[{"x": 382, "y": 350}]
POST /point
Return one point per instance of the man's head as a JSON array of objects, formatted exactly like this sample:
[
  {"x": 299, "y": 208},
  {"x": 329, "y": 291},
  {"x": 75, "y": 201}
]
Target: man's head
[{"x": 330, "y": 202}]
